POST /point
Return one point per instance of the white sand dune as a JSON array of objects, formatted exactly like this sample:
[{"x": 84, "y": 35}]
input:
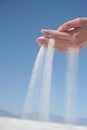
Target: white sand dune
[{"x": 19, "y": 124}]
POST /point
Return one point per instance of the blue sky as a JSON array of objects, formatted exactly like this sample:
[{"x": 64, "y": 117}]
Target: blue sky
[{"x": 20, "y": 25}]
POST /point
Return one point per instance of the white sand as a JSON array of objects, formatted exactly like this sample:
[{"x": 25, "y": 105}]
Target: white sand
[{"x": 18, "y": 124}]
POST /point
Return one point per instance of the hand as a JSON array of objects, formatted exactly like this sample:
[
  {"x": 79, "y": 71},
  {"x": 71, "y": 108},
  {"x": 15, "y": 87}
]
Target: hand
[{"x": 70, "y": 34}]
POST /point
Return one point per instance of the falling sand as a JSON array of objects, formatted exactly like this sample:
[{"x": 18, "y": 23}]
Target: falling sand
[
  {"x": 40, "y": 85},
  {"x": 71, "y": 84},
  {"x": 40, "y": 79}
]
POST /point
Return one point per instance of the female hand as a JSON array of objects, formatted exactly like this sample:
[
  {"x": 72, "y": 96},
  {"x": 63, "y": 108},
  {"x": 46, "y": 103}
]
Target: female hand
[{"x": 70, "y": 34}]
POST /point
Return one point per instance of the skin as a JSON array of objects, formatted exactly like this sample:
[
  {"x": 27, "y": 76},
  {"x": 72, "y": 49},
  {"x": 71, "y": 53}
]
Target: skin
[{"x": 71, "y": 34}]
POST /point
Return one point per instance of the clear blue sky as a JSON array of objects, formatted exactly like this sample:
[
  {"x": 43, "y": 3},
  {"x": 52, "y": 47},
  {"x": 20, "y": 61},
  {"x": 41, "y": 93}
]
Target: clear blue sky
[{"x": 20, "y": 25}]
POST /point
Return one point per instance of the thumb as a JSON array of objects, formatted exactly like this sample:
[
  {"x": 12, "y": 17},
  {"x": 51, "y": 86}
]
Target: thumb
[{"x": 70, "y": 25}]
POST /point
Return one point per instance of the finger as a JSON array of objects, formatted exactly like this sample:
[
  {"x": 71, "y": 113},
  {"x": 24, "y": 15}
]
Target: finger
[
  {"x": 56, "y": 34},
  {"x": 81, "y": 46},
  {"x": 43, "y": 43},
  {"x": 60, "y": 49},
  {"x": 58, "y": 42},
  {"x": 45, "y": 39},
  {"x": 42, "y": 40},
  {"x": 78, "y": 22}
]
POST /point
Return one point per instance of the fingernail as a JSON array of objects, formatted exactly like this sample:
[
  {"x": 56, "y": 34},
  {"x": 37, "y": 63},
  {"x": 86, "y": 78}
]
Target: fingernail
[{"x": 42, "y": 30}]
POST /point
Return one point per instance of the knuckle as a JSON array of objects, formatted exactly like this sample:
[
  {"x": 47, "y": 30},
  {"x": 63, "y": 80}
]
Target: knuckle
[
  {"x": 47, "y": 32},
  {"x": 67, "y": 25},
  {"x": 79, "y": 20}
]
